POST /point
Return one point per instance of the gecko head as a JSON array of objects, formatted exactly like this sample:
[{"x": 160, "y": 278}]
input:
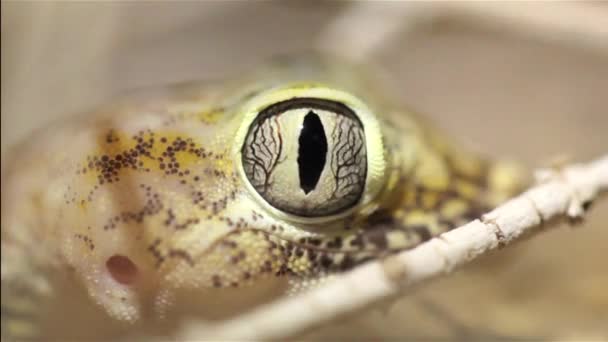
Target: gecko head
[{"x": 310, "y": 153}]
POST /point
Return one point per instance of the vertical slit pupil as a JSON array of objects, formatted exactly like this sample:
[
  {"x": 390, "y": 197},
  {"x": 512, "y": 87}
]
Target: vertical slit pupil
[{"x": 312, "y": 150}]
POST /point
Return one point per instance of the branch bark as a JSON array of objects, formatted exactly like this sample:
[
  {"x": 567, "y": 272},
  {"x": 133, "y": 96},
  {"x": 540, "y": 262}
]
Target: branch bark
[
  {"x": 364, "y": 28},
  {"x": 560, "y": 194}
]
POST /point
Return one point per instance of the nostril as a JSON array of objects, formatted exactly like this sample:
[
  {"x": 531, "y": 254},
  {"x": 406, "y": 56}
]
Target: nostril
[{"x": 122, "y": 269}]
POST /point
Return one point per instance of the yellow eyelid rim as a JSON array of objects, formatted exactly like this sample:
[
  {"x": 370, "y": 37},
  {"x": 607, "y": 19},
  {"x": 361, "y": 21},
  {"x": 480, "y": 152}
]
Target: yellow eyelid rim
[{"x": 376, "y": 163}]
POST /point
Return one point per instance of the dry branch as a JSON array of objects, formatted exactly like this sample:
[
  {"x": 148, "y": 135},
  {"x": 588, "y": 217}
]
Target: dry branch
[
  {"x": 364, "y": 28},
  {"x": 563, "y": 194}
]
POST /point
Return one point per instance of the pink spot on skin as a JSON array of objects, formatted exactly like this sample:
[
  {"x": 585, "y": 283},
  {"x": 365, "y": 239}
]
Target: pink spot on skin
[{"x": 122, "y": 269}]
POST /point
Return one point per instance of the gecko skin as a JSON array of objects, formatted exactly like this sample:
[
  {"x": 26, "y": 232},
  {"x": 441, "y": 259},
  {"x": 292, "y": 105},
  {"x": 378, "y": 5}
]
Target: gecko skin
[{"x": 298, "y": 170}]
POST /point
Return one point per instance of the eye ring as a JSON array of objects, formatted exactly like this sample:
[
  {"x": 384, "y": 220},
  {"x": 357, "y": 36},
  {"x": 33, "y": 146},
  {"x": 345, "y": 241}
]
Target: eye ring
[
  {"x": 298, "y": 96},
  {"x": 312, "y": 156}
]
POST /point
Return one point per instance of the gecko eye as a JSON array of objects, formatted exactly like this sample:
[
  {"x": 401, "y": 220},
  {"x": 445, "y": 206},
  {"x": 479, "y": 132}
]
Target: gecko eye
[
  {"x": 305, "y": 152},
  {"x": 307, "y": 156}
]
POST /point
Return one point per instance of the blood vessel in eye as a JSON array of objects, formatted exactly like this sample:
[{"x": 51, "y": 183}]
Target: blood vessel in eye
[{"x": 311, "y": 152}]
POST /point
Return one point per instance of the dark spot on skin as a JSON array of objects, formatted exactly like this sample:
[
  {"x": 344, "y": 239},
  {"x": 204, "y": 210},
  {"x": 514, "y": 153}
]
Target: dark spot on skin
[
  {"x": 575, "y": 220},
  {"x": 422, "y": 231},
  {"x": 326, "y": 261},
  {"x": 111, "y": 137},
  {"x": 153, "y": 249},
  {"x": 357, "y": 241},
  {"x": 237, "y": 258},
  {"x": 181, "y": 254},
  {"x": 216, "y": 281},
  {"x": 377, "y": 237},
  {"x": 229, "y": 244},
  {"x": 312, "y": 255},
  {"x": 314, "y": 241},
  {"x": 587, "y": 205},
  {"x": 336, "y": 243},
  {"x": 347, "y": 263},
  {"x": 448, "y": 224},
  {"x": 474, "y": 212},
  {"x": 381, "y": 218}
]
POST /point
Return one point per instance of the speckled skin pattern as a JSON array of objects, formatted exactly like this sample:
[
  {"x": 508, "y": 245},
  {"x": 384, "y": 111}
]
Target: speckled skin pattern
[{"x": 152, "y": 179}]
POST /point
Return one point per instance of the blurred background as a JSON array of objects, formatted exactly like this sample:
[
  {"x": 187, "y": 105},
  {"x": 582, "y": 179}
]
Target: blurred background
[{"x": 527, "y": 81}]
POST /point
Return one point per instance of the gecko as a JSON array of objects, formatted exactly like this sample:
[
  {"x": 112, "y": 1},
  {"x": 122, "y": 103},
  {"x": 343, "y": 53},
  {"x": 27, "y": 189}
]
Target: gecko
[{"x": 300, "y": 169}]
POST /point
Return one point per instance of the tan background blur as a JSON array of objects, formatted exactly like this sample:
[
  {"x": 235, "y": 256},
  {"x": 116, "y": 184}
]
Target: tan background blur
[{"x": 507, "y": 94}]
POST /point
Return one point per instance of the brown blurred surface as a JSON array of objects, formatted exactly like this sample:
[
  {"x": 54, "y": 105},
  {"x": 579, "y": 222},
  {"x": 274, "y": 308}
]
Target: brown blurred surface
[{"x": 508, "y": 95}]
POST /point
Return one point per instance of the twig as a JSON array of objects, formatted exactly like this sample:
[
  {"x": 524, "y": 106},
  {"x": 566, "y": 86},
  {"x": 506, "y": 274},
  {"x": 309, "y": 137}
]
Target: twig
[
  {"x": 566, "y": 193},
  {"x": 365, "y": 28}
]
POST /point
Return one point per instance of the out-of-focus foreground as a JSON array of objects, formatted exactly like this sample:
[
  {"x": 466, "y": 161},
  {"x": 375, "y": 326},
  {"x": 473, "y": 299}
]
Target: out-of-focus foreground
[{"x": 510, "y": 95}]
